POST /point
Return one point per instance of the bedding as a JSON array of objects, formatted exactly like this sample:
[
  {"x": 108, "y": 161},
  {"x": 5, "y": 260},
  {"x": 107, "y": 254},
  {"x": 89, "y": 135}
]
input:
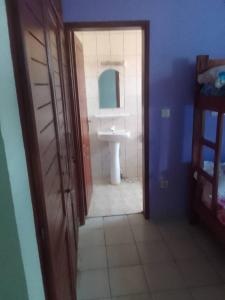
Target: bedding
[
  {"x": 210, "y": 75},
  {"x": 213, "y": 82},
  {"x": 207, "y": 190},
  {"x": 209, "y": 89}
]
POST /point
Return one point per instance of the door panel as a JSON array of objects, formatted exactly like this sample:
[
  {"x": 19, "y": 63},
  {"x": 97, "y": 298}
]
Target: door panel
[
  {"x": 77, "y": 196},
  {"x": 40, "y": 29},
  {"x": 82, "y": 99},
  {"x": 63, "y": 144}
]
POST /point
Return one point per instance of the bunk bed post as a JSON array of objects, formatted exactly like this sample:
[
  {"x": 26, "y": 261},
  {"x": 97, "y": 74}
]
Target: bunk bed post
[
  {"x": 198, "y": 123},
  {"x": 217, "y": 158},
  {"x": 198, "y": 127}
]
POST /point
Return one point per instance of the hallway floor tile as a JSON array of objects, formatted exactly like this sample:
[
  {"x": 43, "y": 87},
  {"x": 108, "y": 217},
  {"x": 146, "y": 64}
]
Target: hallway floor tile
[{"x": 128, "y": 258}]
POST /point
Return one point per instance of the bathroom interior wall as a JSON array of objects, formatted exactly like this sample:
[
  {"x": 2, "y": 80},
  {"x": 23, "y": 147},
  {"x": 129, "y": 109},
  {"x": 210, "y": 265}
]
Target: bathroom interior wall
[{"x": 124, "y": 46}]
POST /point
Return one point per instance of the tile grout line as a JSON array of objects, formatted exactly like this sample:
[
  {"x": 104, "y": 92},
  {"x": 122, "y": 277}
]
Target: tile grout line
[
  {"x": 107, "y": 260},
  {"x": 139, "y": 256}
]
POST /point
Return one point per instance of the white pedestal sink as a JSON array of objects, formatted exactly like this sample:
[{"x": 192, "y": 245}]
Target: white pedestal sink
[{"x": 114, "y": 138}]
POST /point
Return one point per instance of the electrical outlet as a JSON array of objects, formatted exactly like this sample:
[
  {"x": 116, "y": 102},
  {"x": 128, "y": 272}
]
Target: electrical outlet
[
  {"x": 165, "y": 113},
  {"x": 164, "y": 184}
]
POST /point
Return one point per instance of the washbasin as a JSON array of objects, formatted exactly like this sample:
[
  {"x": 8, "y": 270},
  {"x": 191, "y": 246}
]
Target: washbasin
[{"x": 114, "y": 137}]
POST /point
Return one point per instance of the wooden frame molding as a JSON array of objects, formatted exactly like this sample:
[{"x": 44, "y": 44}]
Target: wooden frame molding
[{"x": 126, "y": 25}]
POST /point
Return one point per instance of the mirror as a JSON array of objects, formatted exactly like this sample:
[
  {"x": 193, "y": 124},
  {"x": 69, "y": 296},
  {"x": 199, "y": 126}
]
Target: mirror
[{"x": 109, "y": 90}]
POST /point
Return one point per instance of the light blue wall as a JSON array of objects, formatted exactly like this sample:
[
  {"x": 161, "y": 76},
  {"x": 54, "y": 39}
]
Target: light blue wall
[
  {"x": 18, "y": 245},
  {"x": 12, "y": 278},
  {"x": 180, "y": 30}
]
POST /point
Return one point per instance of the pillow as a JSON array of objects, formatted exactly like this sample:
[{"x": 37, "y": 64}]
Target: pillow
[
  {"x": 220, "y": 80},
  {"x": 211, "y": 75}
]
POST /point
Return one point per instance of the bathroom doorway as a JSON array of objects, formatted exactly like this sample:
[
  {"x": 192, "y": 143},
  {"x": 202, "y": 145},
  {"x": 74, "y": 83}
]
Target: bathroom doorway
[{"x": 116, "y": 68}]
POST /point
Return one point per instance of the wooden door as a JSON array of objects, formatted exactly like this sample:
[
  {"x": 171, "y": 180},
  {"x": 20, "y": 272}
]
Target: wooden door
[
  {"x": 83, "y": 118},
  {"x": 66, "y": 150},
  {"x": 45, "y": 122}
]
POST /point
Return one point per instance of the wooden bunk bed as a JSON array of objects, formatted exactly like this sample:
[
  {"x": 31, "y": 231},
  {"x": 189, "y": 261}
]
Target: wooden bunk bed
[{"x": 202, "y": 210}]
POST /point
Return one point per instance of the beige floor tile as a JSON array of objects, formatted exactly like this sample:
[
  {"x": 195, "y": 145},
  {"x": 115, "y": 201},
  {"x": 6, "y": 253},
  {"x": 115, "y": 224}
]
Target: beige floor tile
[
  {"x": 163, "y": 276},
  {"x": 108, "y": 200},
  {"x": 95, "y": 223},
  {"x": 172, "y": 295},
  {"x": 185, "y": 249},
  {"x": 210, "y": 247},
  {"x": 155, "y": 251},
  {"x": 198, "y": 272},
  {"x": 146, "y": 233},
  {"x": 137, "y": 219},
  {"x": 218, "y": 264},
  {"x": 127, "y": 281},
  {"x": 116, "y": 221},
  {"x": 122, "y": 255},
  {"x": 118, "y": 235},
  {"x": 93, "y": 285},
  {"x": 92, "y": 258},
  {"x": 134, "y": 297},
  {"x": 209, "y": 293},
  {"x": 91, "y": 237},
  {"x": 175, "y": 231}
]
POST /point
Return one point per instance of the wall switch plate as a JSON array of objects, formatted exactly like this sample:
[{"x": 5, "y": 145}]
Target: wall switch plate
[
  {"x": 164, "y": 184},
  {"x": 165, "y": 113}
]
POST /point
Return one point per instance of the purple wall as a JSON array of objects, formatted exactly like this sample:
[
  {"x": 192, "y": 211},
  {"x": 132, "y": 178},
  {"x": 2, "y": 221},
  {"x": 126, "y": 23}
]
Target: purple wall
[{"x": 180, "y": 30}]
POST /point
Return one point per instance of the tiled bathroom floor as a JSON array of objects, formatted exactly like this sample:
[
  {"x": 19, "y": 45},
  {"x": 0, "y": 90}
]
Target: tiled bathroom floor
[
  {"x": 108, "y": 200},
  {"x": 128, "y": 258}
]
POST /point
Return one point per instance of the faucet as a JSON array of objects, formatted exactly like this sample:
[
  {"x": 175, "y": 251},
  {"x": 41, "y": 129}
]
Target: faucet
[{"x": 113, "y": 128}]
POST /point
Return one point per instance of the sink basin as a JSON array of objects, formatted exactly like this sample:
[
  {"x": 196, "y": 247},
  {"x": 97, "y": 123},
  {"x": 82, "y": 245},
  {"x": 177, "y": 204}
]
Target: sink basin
[{"x": 114, "y": 138}]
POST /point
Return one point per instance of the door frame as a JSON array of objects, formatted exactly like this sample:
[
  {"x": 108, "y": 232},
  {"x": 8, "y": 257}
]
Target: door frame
[{"x": 70, "y": 27}]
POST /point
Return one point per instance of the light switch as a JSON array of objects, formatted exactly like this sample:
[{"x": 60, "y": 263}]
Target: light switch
[{"x": 165, "y": 113}]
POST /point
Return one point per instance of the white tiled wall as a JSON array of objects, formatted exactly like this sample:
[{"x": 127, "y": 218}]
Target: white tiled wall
[{"x": 115, "y": 45}]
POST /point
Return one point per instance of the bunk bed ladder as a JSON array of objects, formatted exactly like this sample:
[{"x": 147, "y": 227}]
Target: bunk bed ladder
[{"x": 199, "y": 141}]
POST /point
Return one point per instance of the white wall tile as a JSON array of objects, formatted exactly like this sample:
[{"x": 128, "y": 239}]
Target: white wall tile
[
  {"x": 130, "y": 42},
  {"x": 92, "y": 87},
  {"x": 140, "y": 162},
  {"x": 130, "y": 65},
  {"x": 103, "y": 43},
  {"x": 89, "y": 43},
  {"x": 139, "y": 42},
  {"x": 130, "y": 86},
  {"x": 139, "y": 86},
  {"x": 131, "y": 106},
  {"x": 116, "y": 43},
  {"x": 139, "y": 66},
  {"x": 93, "y": 106},
  {"x": 91, "y": 66},
  {"x": 131, "y": 156}
]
